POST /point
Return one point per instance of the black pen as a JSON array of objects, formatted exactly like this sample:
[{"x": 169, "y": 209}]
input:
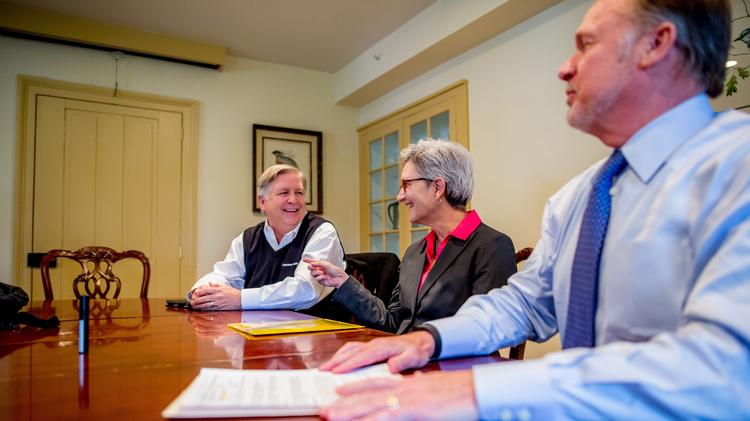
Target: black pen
[{"x": 83, "y": 324}]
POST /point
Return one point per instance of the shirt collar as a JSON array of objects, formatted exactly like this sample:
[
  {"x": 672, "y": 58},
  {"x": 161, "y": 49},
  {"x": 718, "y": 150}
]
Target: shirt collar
[
  {"x": 651, "y": 146},
  {"x": 470, "y": 223},
  {"x": 286, "y": 239},
  {"x": 463, "y": 230}
]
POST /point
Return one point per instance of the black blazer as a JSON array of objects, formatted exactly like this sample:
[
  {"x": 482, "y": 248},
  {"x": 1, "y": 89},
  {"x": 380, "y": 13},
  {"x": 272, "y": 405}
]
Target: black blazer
[{"x": 464, "y": 268}]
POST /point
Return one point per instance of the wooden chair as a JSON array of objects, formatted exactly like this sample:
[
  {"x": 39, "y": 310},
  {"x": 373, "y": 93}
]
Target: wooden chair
[
  {"x": 516, "y": 352},
  {"x": 96, "y": 276}
]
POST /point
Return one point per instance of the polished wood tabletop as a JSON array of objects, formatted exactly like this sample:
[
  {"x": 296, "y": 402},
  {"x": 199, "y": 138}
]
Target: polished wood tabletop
[{"x": 141, "y": 356}]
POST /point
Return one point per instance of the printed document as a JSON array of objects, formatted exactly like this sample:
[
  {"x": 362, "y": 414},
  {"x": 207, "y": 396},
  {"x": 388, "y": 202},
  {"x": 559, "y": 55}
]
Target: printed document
[{"x": 217, "y": 392}]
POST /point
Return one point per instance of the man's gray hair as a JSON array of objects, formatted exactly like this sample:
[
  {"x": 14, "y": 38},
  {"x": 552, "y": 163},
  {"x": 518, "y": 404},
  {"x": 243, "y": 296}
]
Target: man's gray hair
[
  {"x": 447, "y": 160},
  {"x": 703, "y": 34},
  {"x": 269, "y": 175}
]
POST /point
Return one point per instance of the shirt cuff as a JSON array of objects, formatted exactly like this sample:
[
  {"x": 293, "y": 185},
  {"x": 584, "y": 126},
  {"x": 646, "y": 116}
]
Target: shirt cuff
[
  {"x": 435, "y": 338},
  {"x": 250, "y": 298},
  {"x": 456, "y": 340},
  {"x": 514, "y": 391}
]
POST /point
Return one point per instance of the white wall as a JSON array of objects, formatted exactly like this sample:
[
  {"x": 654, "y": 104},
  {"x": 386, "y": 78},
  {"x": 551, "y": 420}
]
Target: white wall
[
  {"x": 246, "y": 92},
  {"x": 522, "y": 146},
  {"x": 437, "y": 22}
]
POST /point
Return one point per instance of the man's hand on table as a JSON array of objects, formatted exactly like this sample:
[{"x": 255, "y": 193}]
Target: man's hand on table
[
  {"x": 216, "y": 296},
  {"x": 412, "y": 350},
  {"x": 436, "y": 395}
]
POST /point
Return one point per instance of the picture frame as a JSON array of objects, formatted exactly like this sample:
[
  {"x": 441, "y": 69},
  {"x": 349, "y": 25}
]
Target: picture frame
[{"x": 300, "y": 148}]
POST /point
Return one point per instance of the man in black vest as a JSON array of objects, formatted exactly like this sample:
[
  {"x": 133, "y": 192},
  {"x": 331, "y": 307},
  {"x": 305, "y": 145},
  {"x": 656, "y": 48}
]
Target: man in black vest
[{"x": 263, "y": 268}]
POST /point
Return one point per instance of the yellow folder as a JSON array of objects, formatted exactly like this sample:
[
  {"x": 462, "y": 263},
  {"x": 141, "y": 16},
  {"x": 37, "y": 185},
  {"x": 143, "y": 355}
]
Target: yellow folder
[{"x": 278, "y": 327}]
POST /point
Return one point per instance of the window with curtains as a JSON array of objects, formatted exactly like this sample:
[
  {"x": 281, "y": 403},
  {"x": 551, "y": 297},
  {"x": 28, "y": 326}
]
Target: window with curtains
[{"x": 384, "y": 223}]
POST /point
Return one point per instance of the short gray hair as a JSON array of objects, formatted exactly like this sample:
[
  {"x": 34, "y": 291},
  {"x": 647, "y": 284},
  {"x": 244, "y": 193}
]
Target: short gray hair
[
  {"x": 269, "y": 175},
  {"x": 447, "y": 160},
  {"x": 703, "y": 34}
]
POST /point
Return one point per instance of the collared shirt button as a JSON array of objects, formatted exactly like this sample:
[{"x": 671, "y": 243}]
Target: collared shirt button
[{"x": 613, "y": 191}]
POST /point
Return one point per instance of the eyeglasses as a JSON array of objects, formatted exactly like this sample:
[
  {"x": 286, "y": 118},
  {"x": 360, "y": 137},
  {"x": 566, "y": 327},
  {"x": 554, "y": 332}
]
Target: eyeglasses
[{"x": 405, "y": 183}]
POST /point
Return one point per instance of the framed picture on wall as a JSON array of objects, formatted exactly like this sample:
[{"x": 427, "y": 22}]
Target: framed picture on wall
[{"x": 302, "y": 149}]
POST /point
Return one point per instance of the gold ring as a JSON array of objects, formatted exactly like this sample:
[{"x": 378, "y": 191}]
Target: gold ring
[{"x": 392, "y": 402}]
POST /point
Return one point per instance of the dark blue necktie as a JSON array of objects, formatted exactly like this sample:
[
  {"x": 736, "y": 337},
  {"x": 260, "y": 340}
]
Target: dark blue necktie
[{"x": 584, "y": 280}]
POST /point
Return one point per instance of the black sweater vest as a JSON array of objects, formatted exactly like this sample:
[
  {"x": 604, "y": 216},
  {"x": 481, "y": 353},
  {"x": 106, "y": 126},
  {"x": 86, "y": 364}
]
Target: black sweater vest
[{"x": 263, "y": 265}]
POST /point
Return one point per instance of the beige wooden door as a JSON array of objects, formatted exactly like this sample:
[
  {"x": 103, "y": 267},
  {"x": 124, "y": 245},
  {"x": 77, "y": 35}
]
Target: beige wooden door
[{"x": 108, "y": 175}]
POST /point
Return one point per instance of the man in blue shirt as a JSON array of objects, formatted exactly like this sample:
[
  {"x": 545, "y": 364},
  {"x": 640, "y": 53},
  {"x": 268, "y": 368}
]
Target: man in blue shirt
[{"x": 643, "y": 264}]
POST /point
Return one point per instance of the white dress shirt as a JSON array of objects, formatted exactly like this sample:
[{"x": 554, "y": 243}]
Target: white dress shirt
[
  {"x": 296, "y": 292},
  {"x": 673, "y": 316}
]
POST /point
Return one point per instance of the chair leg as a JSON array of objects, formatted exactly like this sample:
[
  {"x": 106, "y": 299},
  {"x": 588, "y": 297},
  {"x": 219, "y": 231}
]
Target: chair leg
[{"x": 516, "y": 352}]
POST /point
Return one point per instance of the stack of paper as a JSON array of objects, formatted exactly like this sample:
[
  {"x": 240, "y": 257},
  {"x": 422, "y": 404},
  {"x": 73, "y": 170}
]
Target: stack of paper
[{"x": 241, "y": 393}]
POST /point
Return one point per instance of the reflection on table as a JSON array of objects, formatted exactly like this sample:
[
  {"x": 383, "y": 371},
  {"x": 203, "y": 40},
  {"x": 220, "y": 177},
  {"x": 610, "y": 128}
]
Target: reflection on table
[{"x": 142, "y": 355}]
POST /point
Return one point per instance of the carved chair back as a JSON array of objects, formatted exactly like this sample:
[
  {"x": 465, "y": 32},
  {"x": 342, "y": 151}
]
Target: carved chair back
[{"x": 96, "y": 279}]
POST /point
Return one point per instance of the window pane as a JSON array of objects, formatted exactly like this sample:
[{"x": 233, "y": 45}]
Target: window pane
[
  {"x": 376, "y": 186},
  {"x": 418, "y": 235},
  {"x": 391, "y": 148},
  {"x": 376, "y": 217},
  {"x": 417, "y": 226},
  {"x": 376, "y": 154},
  {"x": 392, "y": 183},
  {"x": 392, "y": 213},
  {"x": 440, "y": 126},
  {"x": 418, "y": 131},
  {"x": 376, "y": 242},
  {"x": 391, "y": 243}
]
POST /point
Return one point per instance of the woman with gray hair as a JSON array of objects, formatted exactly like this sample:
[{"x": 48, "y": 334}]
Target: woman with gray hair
[{"x": 459, "y": 257}]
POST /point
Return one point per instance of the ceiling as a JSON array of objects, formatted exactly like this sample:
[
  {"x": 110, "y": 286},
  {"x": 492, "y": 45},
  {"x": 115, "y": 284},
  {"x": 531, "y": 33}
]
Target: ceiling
[{"x": 321, "y": 35}]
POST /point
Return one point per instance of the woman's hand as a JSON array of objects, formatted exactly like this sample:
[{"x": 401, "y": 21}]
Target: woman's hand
[{"x": 326, "y": 273}]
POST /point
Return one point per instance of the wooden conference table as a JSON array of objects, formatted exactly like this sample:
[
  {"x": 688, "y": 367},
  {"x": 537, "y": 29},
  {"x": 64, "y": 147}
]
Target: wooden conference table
[{"x": 141, "y": 356}]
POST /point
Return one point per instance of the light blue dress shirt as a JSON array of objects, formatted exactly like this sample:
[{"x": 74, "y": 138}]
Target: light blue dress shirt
[{"x": 673, "y": 320}]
